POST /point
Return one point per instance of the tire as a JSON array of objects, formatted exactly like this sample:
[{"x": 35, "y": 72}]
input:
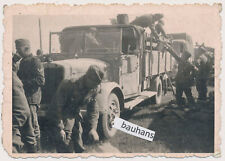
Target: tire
[
  {"x": 157, "y": 86},
  {"x": 107, "y": 118}
]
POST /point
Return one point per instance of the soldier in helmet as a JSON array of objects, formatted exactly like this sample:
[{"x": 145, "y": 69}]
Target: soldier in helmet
[
  {"x": 184, "y": 79},
  {"x": 64, "y": 114},
  {"x": 31, "y": 73}
]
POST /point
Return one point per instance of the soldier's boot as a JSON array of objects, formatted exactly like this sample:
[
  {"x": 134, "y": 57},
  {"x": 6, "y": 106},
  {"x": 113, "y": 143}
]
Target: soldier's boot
[
  {"x": 190, "y": 98},
  {"x": 17, "y": 148},
  {"x": 31, "y": 148},
  {"x": 93, "y": 136},
  {"x": 38, "y": 146},
  {"x": 17, "y": 144},
  {"x": 179, "y": 98},
  {"x": 78, "y": 142},
  {"x": 67, "y": 143},
  {"x": 68, "y": 139},
  {"x": 92, "y": 122},
  {"x": 78, "y": 145}
]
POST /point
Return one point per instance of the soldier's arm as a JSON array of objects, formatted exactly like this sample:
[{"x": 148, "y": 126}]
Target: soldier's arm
[
  {"x": 58, "y": 103},
  {"x": 156, "y": 36},
  {"x": 20, "y": 107},
  {"x": 19, "y": 72}
]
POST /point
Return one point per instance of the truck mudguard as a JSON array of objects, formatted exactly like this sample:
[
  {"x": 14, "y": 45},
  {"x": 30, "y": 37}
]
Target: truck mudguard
[{"x": 105, "y": 90}]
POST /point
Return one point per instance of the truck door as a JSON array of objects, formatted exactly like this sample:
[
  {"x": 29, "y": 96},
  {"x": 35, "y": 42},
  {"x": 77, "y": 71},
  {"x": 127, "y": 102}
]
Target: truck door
[
  {"x": 129, "y": 78},
  {"x": 130, "y": 74}
]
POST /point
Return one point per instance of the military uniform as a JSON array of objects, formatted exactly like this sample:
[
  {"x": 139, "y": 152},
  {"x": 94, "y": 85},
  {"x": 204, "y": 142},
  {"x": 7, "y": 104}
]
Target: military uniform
[
  {"x": 184, "y": 80},
  {"x": 22, "y": 129},
  {"x": 64, "y": 113},
  {"x": 202, "y": 75},
  {"x": 15, "y": 62},
  {"x": 31, "y": 73},
  {"x": 159, "y": 28}
]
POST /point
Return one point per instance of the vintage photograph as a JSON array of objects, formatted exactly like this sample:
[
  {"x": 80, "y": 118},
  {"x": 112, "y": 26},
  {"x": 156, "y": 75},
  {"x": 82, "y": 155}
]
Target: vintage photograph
[{"x": 74, "y": 73}]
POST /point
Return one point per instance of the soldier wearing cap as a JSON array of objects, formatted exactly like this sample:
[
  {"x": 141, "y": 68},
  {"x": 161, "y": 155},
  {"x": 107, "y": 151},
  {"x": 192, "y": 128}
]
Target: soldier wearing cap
[
  {"x": 184, "y": 79},
  {"x": 204, "y": 67},
  {"x": 64, "y": 114},
  {"x": 31, "y": 73},
  {"x": 159, "y": 28}
]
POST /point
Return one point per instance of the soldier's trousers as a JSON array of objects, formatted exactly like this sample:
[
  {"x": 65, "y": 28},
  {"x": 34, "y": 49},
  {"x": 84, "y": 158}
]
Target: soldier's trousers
[
  {"x": 35, "y": 124},
  {"x": 17, "y": 143},
  {"x": 23, "y": 138},
  {"x": 201, "y": 86},
  {"x": 180, "y": 89},
  {"x": 92, "y": 117},
  {"x": 22, "y": 131}
]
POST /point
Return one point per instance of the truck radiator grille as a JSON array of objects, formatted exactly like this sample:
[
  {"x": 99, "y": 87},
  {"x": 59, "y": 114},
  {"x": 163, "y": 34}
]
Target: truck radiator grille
[{"x": 53, "y": 76}]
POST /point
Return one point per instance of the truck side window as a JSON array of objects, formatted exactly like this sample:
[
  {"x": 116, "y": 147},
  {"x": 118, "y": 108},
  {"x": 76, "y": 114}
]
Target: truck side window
[{"x": 129, "y": 42}]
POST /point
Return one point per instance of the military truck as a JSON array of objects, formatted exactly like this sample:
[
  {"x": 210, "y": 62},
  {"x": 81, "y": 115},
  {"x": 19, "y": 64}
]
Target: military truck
[
  {"x": 180, "y": 42},
  {"x": 200, "y": 49},
  {"x": 134, "y": 69}
]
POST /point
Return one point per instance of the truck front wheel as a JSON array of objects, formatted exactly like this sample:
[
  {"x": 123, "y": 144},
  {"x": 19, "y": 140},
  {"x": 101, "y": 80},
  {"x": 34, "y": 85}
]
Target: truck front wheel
[{"x": 107, "y": 118}]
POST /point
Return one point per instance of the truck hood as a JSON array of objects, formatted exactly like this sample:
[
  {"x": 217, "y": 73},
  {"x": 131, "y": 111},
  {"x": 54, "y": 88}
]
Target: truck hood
[{"x": 74, "y": 68}]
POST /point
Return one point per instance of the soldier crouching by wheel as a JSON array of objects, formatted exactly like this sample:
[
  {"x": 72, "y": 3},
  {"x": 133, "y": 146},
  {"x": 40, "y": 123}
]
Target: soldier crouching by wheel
[{"x": 64, "y": 114}]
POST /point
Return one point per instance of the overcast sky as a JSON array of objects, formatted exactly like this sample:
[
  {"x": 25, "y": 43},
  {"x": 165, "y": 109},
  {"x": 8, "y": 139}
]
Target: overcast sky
[{"x": 202, "y": 23}]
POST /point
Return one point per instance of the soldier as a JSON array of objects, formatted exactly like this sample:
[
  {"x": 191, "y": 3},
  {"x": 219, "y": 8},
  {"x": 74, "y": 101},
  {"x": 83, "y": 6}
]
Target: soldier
[
  {"x": 31, "y": 74},
  {"x": 184, "y": 79},
  {"x": 39, "y": 53},
  {"x": 64, "y": 113},
  {"x": 204, "y": 67},
  {"x": 159, "y": 28},
  {"x": 22, "y": 130}
]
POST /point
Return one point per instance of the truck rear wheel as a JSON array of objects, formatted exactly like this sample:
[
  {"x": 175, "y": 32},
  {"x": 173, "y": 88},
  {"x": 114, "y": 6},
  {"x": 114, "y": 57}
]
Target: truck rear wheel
[
  {"x": 157, "y": 86},
  {"x": 107, "y": 118}
]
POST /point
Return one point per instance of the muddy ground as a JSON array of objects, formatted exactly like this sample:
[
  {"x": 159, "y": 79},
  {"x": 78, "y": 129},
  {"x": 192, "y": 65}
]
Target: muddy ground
[
  {"x": 188, "y": 129},
  {"x": 180, "y": 130}
]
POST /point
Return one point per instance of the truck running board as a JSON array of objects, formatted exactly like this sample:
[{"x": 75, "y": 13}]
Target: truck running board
[{"x": 143, "y": 96}]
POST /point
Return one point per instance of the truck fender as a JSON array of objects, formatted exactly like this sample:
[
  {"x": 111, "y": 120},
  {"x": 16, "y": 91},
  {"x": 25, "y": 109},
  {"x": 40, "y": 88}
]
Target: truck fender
[{"x": 102, "y": 97}]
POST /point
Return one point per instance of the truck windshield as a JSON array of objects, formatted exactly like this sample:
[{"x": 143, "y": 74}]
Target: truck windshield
[
  {"x": 71, "y": 42},
  {"x": 90, "y": 41},
  {"x": 102, "y": 41}
]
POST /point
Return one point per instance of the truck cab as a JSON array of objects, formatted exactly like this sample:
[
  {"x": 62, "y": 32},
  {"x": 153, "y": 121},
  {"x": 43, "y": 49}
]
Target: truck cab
[{"x": 134, "y": 70}]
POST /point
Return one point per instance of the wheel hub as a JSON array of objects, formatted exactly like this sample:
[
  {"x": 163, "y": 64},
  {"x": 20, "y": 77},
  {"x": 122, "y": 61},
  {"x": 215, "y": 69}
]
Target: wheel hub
[{"x": 113, "y": 112}]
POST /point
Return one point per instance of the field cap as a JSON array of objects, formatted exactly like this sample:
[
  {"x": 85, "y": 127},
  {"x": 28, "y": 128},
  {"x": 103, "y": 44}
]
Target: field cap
[
  {"x": 95, "y": 73},
  {"x": 22, "y": 42}
]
